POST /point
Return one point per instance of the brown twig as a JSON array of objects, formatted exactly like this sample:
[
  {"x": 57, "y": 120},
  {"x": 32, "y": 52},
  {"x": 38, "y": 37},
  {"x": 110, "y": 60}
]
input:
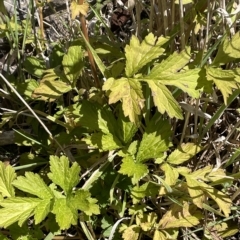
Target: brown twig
[{"x": 90, "y": 56}]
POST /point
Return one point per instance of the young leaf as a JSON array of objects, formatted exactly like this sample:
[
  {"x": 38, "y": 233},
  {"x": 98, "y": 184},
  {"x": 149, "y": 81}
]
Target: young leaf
[
  {"x": 73, "y": 63},
  {"x": 65, "y": 215},
  {"x": 155, "y": 140},
  {"x": 129, "y": 91},
  {"x": 224, "y": 80},
  {"x": 33, "y": 184},
  {"x": 139, "y": 55},
  {"x": 7, "y": 175},
  {"x": 164, "y": 100},
  {"x": 183, "y": 153},
  {"x": 82, "y": 200},
  {"x": 133, "y": 169},
  {"x": 63, "y": 175},
  {"x": 17, "y": 209}
]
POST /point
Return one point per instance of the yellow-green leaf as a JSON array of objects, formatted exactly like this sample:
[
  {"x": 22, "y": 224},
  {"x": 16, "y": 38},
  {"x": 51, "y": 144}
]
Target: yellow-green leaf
[
  {"x": 195, "y": 191},
  {"x": 131, "y": 233},
  {"x": 17, "y": 209},
  {"x": 33, "y": 184},
  {"x": 65, "y": 215},
  {"x": 129, "y": 91},
  {"x": 171, "y": 176},
  {"x": 155, "y": 140},
  {"x": 7, "y": 175},
  {"x": 224, "y": 80},
  {"x": 133, "y": 169},
  {"x": 222, "y": 200},
  {"x": 105, "y": 142},
  {"x": 158, "y": 235},
  {"x": 164, "y": 101},
  {"x": 139, "y": 54},
  {"x": 168, "y": 73},
  {"x": 50, "y": 87},
  {"x": 183, "y": 153},
  {"x": 228, "y": 50},
  {"x": 147, "y": 189},
  {"x": 180, "y": 216},
  {"x": 73, "y": 63},
  {"x": 79, "y": 9}
]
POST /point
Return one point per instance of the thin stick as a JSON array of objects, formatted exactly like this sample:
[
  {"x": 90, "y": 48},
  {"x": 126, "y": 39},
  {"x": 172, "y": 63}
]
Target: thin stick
[
  {"x": 181, "y": 24},
  {"x": 33, "y": 113}
]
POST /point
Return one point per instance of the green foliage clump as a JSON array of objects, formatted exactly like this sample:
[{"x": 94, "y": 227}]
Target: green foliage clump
[{"x": 110, "y": 162}]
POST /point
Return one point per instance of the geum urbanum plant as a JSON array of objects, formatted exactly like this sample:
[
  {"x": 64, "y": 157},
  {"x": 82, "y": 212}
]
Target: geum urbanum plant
[{"x": 139, "y": 137}]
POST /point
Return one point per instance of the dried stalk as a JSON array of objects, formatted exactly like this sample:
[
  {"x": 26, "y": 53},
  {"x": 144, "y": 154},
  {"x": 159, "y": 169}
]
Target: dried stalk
[{"x": 90, "y": 56}]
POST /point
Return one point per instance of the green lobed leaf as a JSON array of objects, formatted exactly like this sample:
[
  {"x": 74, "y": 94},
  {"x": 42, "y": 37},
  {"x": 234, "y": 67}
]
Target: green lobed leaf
[
  {"x": 228, "y": 50},
  {"x": 63, "y": 175},
  {"x": 34, "y": 66},
  {"x": 33, "y": 184},
  {"x": 106, "y": 121},
  {"x": 222, "y": 200},
  {"x": 131, "y": 233},
  {"x": 164, "y": 100},
  {"x": 195, "y": 191},
  {"x": 180, "y": 216},
  {"x": 104, "y": 142},
  {"x": 187, "y": 81},
  {"x": 173, "y": 64},
  {"x": 133, "y": 169},
  {"x": 168, "y": 73},
  {"x": 171, "y": 177},
  {"x": 73, "y": 63},
  {"x": 139, "y": 54},
  {"x": 65, "y": 215},
  {"x": 224, "y": 80},
  {"x": 155, "y": 140},
  {"x": 7, "y": 175},
  {"x": 51, "y": 87},
  {"x": 129, "y": 91},
  {"x": 183, "y": 153},
  {"x": 82, "y": 200},
  {"x": 147, "y": 189},
  {"x": 26, "y": 88},
  {"x": 17, "y": 210},
  {"x": 42, "y": 210}
]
